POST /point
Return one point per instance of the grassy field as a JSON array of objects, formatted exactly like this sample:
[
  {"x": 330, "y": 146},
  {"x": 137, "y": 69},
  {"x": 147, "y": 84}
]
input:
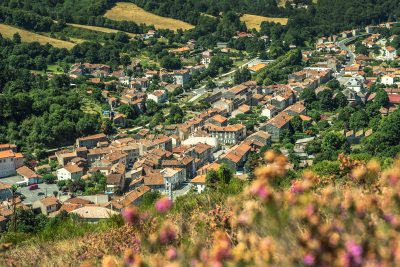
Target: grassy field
[
  {"x": 204, "y": 14},
  {"x": 26, "y": 36},
  {"x": 53, "y": 68},
  {"x": 131, "y": 12},
  {"x": 253, "y": 21},
  {"x": 88, "y": 107},
  {"x": 100, "y": 29}
]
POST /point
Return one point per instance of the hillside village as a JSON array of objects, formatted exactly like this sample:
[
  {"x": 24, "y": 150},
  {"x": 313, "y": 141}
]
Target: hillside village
[{"x": 234, "y": 122}]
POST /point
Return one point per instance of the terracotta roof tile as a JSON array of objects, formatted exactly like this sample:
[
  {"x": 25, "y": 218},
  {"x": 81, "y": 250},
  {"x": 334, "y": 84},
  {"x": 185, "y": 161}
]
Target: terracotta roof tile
[{"x": 48, "y": 201}]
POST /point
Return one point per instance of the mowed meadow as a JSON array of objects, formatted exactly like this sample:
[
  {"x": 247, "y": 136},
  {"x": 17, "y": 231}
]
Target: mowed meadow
[
  {"x": 100, "y": 29},
  {"x": 26, "y": 36},
  {"x": 131, "y": 12},
  {"x": 253, "y": 21}
]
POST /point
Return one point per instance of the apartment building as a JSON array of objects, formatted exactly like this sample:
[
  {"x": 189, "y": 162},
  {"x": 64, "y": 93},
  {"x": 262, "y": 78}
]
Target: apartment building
[
  {"x": 91, "y": 141},
  {"x": 9, "y": 162},
  {"x": 228, "y": 135}
]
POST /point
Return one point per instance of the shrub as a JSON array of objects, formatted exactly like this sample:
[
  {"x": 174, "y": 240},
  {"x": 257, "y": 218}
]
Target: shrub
[
  {"x": 60, "y": 183},
  {"x": 49, "y": 178}
]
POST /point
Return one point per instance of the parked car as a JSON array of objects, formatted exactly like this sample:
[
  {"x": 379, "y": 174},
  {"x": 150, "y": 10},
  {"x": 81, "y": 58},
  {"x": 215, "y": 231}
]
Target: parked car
[
  {"x": 40, "y": 193},
  {"x": 65, "y": 193},
  {"x": 34, "y": 186}
]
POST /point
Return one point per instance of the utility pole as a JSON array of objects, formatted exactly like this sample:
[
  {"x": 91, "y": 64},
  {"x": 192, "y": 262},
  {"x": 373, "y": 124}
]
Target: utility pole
[
  {"x": 14, "y": 211},
  {"x": 170, "y": 192},
  {"x": 13, "y": 190}
]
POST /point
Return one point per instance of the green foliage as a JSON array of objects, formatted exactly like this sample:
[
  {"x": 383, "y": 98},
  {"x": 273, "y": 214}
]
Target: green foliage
[
  {"x": 333, "y": 142},
  {"x": 150, "y": 198},
  {"x": 212, "y": 177},
  {"x": 170, "y": 63},
  {"x": 325, "y": 100},
  {"x": 61, "y": 183},
  {"x": 125, "y": 60},
  {"x": 285, "y": 134},
  {"x": 327, "y": 168},
  {"x": 309, "y": 96},
  {"x": 316, "y": 116},
  {"x": 106, "y": 107},
  {"x": 17, "y": 38},
  {"x": 297, "y": 123},
  {"x": 175, "y": 110},
  {"x": 341, "y": 100},
  {"x": 273, "y": 71},
  {"x": 250, "y": 126},
  {"x": 381, "y": 98},
  {"x": 233, "y": 121},
  {"x": 225, "y": 174},
  {"x": 242, "y": 75},
  {"x": 130, "y": 111},
  {"x": 49, "y": 178},
  {"x": 253, "y": 161},
  {"x": 313, "y": 147},
  {"x": 76, "y": 185},
  {"x": 359, "y": 120},
  {"x": 333, "y": 84}
]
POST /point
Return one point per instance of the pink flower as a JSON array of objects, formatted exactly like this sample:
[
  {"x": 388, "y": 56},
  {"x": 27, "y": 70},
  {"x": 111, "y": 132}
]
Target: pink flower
[
  {"x": 309, "y": 259},
  {"x": 172, "y": 254},
  {"x": 354, "y": 249},
  {"x": 260, "y": 190},
  {"x": 131, "y": 214},
  {"x": 167, "y": 234},
  {"x": 296, "y": 188},
  {"x": 393, "y": 179},
  {"x": 129, "y": 257},
  {"x": 163, "y": 205}
]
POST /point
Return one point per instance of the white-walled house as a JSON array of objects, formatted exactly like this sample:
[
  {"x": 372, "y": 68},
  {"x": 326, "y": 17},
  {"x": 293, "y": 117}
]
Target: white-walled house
[
  {"x": 70, "y": 172},
  {"x": 388, "y": 79},
  {"x": 199, "y": 182},
  {"x": 355, "y": 83},
  {"x": 159, "y": 96},
  {"x": 181, "y": 76},
  {"x": 176, "y": 141},
  {"x": 29, "y": 176},
  {"x": 172, "y": 178},
  {"x": 390, "y": 52},
  {"x": 269, "y": 111}
]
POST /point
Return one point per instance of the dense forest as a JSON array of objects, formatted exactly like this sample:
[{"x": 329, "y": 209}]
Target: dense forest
[
  {"x": 321, "y": 19},
  {"x": 37, "y": 113}
]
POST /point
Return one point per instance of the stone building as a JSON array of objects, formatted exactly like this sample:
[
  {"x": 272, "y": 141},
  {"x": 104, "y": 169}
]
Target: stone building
[{"x": 276, "y": 125}]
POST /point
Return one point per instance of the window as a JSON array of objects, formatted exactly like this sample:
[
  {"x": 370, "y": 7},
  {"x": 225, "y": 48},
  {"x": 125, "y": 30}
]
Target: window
[{"x": 12, "y": 159}]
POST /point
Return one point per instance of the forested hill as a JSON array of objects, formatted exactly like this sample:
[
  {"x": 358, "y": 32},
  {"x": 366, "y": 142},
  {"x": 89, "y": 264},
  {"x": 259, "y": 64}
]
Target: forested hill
[
  {"x": 320, "y": 19},
  {"x": 333, "y": 16}
]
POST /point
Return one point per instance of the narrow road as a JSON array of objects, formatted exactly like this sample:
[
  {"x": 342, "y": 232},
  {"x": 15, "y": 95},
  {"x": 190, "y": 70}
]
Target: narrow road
[
  {"x": 350, "y": 53},
  {"x": 202, "y": 89}
]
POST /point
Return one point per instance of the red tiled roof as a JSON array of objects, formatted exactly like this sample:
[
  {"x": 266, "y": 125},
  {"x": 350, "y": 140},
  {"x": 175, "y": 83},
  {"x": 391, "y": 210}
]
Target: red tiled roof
[{"x": 394, "y": 98}]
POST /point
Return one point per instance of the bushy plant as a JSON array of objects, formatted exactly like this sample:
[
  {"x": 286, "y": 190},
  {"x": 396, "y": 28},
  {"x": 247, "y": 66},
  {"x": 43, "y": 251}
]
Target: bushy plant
[{"x": 342, "y": 215}]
